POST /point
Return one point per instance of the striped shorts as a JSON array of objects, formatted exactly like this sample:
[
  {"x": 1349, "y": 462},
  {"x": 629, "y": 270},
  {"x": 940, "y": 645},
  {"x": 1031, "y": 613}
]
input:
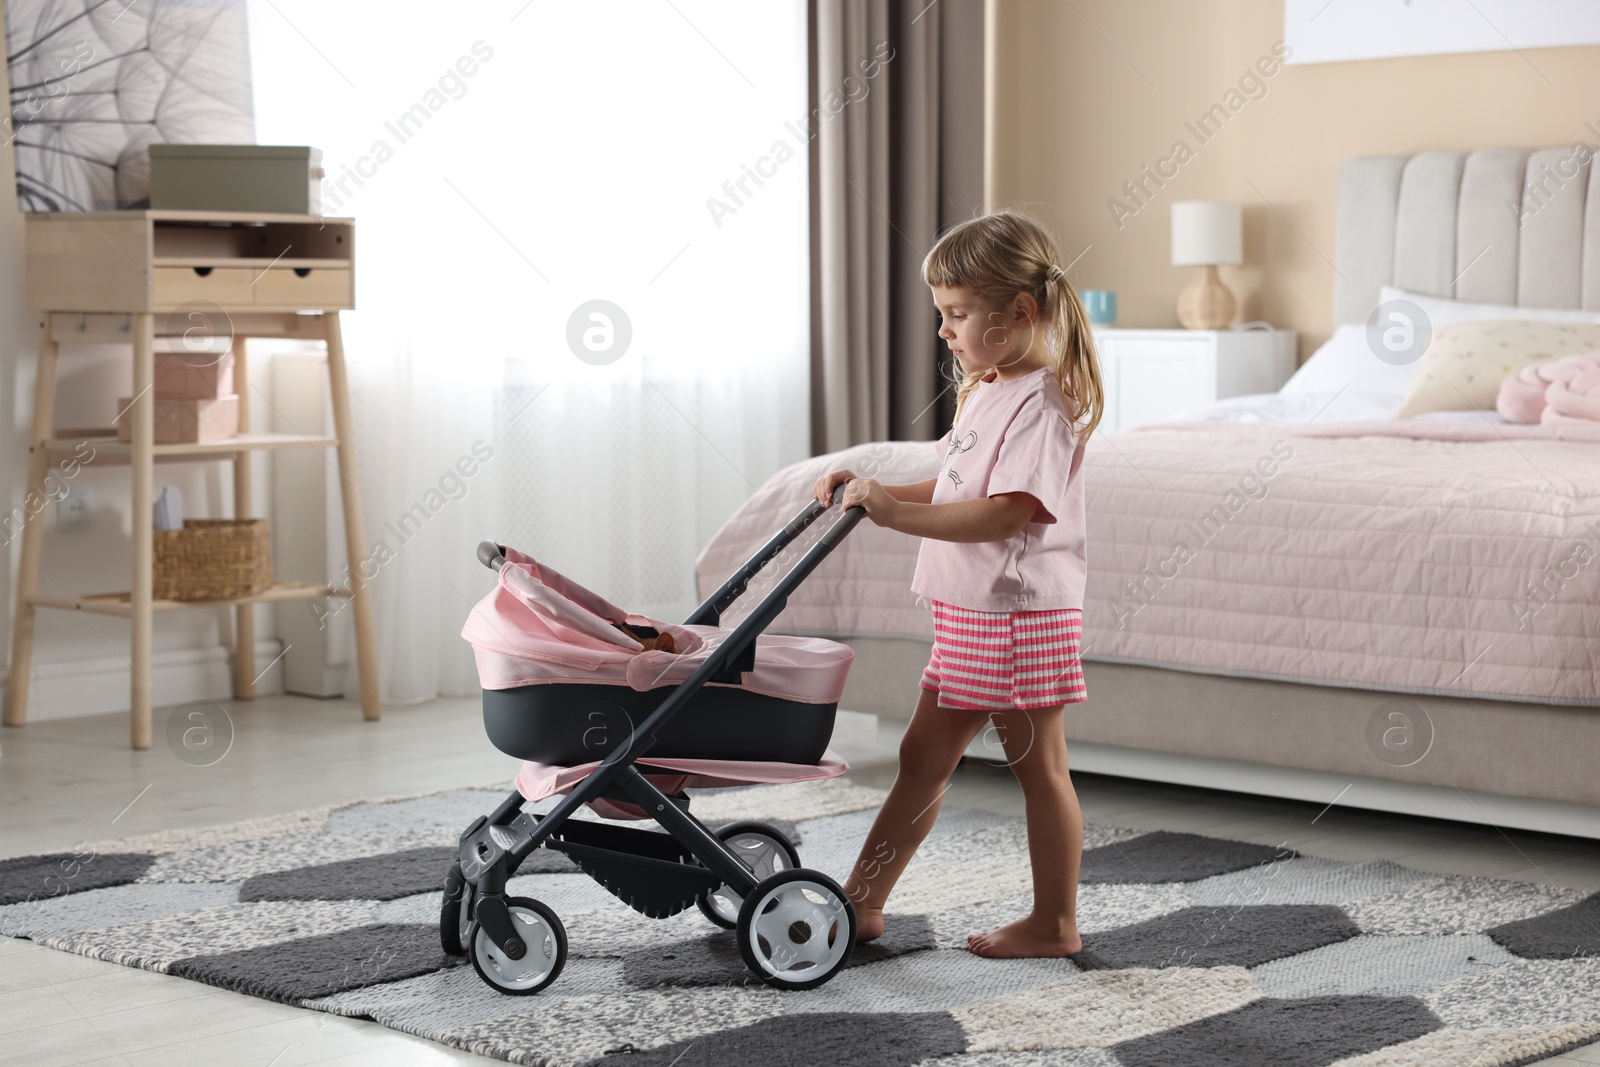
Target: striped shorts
[{"x": 989, "y": 661}]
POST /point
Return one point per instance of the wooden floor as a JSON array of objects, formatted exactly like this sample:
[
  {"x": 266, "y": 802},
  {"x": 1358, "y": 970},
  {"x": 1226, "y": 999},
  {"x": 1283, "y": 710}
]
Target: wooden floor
[{"x": 66, "y": 781}]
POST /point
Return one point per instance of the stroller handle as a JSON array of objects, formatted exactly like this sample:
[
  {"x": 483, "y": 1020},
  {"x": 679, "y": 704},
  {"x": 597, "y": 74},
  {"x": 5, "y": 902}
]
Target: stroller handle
[
  {"x": 491, "y": 555},
  {"x": 710, "y": 612}
]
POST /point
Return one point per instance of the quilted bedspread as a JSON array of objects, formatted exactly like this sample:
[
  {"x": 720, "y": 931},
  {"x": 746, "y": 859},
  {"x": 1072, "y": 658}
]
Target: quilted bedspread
[{"x": 1452, "y": 558}]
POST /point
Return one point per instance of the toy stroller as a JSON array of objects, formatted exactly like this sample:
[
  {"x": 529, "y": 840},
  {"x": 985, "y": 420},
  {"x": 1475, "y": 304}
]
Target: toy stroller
[{"x": 623, "y": 713}]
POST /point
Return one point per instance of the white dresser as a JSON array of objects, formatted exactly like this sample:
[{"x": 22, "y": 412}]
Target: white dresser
[{"x": 1156, "y": 375}]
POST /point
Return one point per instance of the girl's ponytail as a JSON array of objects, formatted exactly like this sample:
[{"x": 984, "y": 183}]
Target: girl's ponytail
[{"x": 1077, "y": 364}]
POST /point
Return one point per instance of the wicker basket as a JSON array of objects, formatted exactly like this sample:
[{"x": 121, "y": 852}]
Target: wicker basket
[{"x": 213, "y": 559}]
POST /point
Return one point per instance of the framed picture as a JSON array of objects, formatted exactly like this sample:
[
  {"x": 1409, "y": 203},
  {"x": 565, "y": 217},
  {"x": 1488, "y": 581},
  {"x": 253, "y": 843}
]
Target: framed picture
[
  {"x": 1330, "y": 31},
  {"x": 92, "y": 85}
]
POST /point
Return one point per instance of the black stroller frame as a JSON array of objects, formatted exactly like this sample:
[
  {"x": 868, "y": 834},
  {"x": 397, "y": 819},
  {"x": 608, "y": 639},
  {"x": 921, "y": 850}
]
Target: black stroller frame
[{"x": 795, "y": 927}]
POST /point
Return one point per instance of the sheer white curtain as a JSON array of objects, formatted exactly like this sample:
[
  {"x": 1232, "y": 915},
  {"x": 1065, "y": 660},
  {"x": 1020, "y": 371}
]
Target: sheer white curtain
[{"x": 507, "y": 165}]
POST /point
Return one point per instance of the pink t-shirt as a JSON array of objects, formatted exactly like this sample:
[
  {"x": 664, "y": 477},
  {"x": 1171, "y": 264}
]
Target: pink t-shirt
[{"x": 1012, "y": 437}]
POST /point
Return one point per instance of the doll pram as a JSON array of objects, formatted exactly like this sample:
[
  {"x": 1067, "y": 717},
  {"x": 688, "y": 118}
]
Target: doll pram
[{"x": 625, "y": 729}]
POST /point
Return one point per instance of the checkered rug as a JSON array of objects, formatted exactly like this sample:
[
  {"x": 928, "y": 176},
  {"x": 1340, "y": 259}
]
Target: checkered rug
[{"x": 1197, "y": 950}]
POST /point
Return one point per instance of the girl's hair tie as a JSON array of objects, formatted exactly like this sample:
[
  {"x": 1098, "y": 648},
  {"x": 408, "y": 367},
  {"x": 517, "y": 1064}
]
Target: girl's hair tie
[{"x": 1053, "y": 273}]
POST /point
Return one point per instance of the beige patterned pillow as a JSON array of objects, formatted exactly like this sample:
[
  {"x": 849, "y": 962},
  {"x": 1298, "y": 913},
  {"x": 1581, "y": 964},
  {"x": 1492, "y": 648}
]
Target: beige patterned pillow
[{"x": 1466, "y": 361}]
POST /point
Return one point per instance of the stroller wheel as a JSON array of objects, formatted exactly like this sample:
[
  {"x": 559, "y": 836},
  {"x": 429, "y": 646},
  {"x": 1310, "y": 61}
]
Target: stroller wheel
[
  {"x": 545, "y": 937},
  {"x": 761, "y": 848},
  {"x": 455, "y": 915},
  {"x": 796, "y": 929}
]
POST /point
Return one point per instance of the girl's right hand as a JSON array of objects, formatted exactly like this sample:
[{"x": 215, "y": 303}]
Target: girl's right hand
[{"x": 825, "y": 486}]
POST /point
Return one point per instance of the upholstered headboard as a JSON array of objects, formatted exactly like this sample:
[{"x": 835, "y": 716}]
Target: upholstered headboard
[{"x": 1498, "y": 226}]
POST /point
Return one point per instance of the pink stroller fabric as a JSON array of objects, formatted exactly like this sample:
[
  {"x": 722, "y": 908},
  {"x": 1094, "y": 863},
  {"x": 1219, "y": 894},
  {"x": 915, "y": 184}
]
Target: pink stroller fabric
[
  {"x": 1558, "y": 391},
  {"x": 539, "y": 780},
  {"x": 539, "y": 627}
]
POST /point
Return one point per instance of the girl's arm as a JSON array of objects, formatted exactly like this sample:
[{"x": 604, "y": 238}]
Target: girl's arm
[
  {"x": 993, "y": 518},
  {"x": 915, "y": 493}
]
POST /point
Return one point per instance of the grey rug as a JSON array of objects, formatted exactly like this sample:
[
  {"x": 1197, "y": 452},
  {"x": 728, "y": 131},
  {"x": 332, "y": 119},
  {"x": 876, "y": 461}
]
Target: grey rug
[{"x": 1196, "y": 950}]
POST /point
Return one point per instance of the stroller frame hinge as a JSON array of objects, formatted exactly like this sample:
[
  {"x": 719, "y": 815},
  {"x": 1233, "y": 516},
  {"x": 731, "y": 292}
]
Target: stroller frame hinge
[
  {"x": 743, "y": 660},
  {"x": 689, "y": 831}
]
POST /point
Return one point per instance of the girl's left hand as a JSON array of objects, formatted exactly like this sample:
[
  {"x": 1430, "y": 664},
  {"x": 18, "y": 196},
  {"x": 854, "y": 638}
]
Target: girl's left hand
[{"x": 871, "y": 496}]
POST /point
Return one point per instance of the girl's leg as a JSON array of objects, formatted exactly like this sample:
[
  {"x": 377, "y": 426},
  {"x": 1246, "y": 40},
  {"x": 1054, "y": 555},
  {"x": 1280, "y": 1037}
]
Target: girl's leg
[
  {"x": 929, "y": 752},
  {"x": 1036, "y": 748}
]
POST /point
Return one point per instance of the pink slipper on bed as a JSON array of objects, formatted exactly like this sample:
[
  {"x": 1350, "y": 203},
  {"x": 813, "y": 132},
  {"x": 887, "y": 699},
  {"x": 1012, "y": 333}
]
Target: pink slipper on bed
[
  {"x": 1524, "y": 396},
  {"x": 1576, "y": 399},
  {"x": 1521, "y": 397}
]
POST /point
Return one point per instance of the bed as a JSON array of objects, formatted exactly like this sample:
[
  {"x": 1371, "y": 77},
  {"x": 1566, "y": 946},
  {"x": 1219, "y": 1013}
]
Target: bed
[{"x": 1299, "y": 594}]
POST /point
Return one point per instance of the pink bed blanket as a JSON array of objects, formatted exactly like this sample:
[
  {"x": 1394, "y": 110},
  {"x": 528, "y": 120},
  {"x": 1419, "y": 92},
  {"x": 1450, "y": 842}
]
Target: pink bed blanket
[{"x": 1428, "y": 557}]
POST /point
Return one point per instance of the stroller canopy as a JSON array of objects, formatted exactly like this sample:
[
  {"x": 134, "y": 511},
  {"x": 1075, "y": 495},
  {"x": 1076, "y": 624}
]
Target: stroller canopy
[{"x": 538, "y": 627}]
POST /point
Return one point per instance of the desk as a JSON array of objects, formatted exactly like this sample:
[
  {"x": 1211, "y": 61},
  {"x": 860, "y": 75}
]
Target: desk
[{"x": 131, "y": 277}]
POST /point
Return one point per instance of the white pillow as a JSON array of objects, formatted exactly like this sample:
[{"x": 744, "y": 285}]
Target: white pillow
[
  {"x": 1345, "y": 362},
  {"x": 1442, "y": 312}
]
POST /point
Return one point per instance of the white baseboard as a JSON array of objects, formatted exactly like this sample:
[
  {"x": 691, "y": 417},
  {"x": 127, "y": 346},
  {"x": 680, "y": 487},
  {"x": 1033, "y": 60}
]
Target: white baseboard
[
  {"x": 1320, "y": 787},
  {"x": 70, "y": 689}
]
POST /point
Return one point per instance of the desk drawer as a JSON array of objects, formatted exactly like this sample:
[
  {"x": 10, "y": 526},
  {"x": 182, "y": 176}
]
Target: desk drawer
[
  {"x": 297, "y": 288},
  {"x": 222, "y": 286}
]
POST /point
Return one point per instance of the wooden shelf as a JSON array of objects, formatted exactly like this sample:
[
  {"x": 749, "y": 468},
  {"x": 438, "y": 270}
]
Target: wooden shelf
[
  {"x": 118, "y": 604},
  {"x": 107, "y": 449},
  {"x": 171, "y": 215},
  {"x": 142, "y": 261},
  {"x": 259, "y": 263},
  {"x": 117, "y": 278}
]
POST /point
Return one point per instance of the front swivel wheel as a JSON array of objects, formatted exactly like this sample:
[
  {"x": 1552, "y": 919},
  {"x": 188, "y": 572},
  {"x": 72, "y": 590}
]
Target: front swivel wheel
[
  {"x": 545, "y": 949},
  {"x": 796, "y": 929},
  {"x": 455, "y": 914}
]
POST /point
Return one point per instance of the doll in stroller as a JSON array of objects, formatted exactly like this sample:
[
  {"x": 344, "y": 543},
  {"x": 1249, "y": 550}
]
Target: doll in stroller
[{"x": 623, "y": 714}]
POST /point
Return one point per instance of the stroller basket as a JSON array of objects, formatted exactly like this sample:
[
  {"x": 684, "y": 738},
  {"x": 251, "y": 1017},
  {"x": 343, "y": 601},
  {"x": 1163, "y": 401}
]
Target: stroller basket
[{"x": 567, "y": 724}]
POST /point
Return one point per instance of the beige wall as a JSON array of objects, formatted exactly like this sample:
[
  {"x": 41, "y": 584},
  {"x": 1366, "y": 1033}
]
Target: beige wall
[{"x": 1088, "y": 92}]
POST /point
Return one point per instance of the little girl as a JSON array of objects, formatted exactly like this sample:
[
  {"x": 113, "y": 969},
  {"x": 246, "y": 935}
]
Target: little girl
[{"x": 1003, "y": 563}]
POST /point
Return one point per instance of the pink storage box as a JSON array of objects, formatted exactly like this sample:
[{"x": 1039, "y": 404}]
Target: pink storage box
[{"x": 193, "y": 376}]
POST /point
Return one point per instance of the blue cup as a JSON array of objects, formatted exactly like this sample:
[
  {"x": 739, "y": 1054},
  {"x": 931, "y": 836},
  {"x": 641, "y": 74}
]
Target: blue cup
[{"x": 1101, "y": 306}]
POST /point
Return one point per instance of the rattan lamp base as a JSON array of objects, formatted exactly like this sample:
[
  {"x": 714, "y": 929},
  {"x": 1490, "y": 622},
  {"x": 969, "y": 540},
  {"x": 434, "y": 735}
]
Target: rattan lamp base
[{"x": 1207, "y": 304}]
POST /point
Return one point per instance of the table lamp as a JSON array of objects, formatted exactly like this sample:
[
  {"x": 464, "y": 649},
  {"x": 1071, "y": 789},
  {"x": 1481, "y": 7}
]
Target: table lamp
[{"x": 1206, "y": 234}]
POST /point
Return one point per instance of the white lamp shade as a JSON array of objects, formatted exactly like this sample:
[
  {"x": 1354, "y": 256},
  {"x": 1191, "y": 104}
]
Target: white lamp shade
[{"x": 1206, "y": 233}]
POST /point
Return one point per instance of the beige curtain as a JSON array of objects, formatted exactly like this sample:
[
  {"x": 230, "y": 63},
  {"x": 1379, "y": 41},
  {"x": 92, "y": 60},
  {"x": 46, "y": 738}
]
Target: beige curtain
[{"x": 897, "y": 154}]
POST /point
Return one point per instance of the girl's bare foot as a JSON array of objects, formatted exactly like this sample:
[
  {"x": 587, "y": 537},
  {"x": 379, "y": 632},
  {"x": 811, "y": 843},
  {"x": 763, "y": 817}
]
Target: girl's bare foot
[
  {"x": 869, "y": 924},
  {"x": 1026, "y": 939}
]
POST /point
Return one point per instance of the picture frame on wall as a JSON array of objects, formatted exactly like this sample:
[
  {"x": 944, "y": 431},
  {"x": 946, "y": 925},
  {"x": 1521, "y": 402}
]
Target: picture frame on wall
[
  {"x": 1333, "y": 31},
  {"x": 92, "y": 86}
]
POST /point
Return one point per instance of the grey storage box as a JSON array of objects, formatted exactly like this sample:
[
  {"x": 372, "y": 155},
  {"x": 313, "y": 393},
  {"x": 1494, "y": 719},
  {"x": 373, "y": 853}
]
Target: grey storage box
[{"x": 236, "y": 177}]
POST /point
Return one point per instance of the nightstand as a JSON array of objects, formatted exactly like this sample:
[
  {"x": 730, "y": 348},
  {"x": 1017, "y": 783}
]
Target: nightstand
[{"x": 1156, "y": 375}]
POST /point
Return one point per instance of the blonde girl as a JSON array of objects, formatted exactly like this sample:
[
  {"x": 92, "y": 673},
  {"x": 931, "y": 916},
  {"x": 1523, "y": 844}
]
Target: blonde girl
[{"x": 1002, "y": 563}]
